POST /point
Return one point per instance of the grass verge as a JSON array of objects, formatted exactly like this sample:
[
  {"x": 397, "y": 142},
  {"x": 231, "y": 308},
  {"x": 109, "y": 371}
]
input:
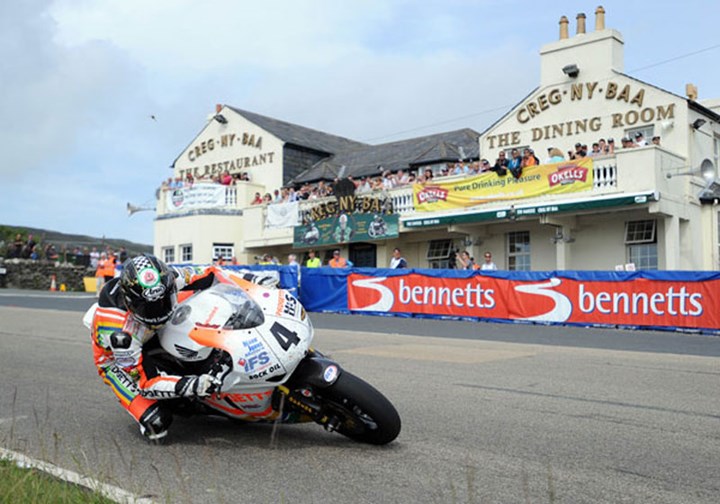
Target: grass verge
[{"x": 29, "y": 485}]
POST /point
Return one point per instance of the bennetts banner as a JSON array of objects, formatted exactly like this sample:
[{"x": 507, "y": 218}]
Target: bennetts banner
[
  {"x": 555, "y": 178},
  {"x": 346, "y": 228}
]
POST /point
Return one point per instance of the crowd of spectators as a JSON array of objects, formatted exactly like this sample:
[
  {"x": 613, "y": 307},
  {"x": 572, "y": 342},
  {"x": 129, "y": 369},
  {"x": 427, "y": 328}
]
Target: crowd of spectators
[
  {"x": 512, "y": 162},
  {"x": 29, "y": 248},
  {"x": 224, "y": 178}
]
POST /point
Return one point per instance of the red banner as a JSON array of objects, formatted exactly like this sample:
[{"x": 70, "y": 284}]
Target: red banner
[{"x": 639, "y": 302}]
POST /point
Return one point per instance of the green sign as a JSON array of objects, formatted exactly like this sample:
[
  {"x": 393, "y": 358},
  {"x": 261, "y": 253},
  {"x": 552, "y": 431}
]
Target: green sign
[{"x": 346, "y": 228}]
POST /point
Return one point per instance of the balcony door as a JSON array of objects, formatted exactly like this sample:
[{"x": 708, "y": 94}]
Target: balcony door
[{"x": 363, "y": 255}]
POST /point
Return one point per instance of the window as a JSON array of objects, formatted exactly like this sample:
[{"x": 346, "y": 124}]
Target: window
[
  {"x": 438, "y": 254},
  {"x": 640, "y": 232},
  {"x": 641, "y": 241},
  {"x": 643, "y": 256},
  {"x": 518, "y": 250},
  {"x": 224, "y": 250},
  {"x": 647, "y": 132},
  {"x": 168, "y": 254},
  {"x": 186, "y": 254}
]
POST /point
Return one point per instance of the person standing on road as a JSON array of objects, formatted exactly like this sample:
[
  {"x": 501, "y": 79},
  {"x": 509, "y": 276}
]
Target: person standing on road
[
  {"x": 488, "y": 265},
  {"x": 312, "y": 262},
  {"x": 397, "y": 261},
  {"x": 465, "y": 261},
  {"x": 337, "y": 260}
]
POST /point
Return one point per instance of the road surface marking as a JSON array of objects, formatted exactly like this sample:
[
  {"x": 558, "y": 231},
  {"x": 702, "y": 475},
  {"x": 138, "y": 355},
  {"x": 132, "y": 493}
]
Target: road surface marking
[{"x": 108, "y": 491}]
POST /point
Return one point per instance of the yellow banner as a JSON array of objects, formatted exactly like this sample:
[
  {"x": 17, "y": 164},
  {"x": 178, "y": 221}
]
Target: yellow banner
[{"x": 556, "y": 178}]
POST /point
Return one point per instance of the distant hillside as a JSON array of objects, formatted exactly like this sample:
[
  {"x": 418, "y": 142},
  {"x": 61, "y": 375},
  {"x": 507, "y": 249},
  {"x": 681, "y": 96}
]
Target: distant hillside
[{"x": 70, "y": 241}]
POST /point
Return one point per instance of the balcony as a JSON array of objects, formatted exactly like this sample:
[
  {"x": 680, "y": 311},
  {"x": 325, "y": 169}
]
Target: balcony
[
  {"x": 628, "y": 172},
  {"x": 205, "y": 198}
]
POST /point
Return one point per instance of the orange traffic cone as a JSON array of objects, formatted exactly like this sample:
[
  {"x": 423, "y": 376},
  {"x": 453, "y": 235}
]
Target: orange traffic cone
[{"x": 53, "y": 283}]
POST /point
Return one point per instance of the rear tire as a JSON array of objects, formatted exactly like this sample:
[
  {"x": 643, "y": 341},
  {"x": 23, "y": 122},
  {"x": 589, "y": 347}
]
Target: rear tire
[{"x": 365, "y": 414}]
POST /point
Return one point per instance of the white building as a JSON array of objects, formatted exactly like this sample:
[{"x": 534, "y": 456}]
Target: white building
[{"x": 651, "y": 206}]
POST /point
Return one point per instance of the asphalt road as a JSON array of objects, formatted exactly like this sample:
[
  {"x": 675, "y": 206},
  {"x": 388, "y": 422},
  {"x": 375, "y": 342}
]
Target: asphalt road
[{"x": 510, "y": 415}]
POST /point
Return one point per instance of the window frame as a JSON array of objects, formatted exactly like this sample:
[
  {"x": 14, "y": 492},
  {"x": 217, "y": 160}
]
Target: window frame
[
  {"x": 643, "y": 238},
  {"x": 168, "y": 254},
  {"x": 648, "y": 131},
  {"x": 439, "y": 253},
  {"x": 216, "y": 247},
  {"x": 186, "y": 252},
  {"x": 643, "y": 255},
  {"x": 518, "y": 260}
]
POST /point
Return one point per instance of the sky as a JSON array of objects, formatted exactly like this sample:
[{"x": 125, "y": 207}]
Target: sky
[{"x": 80, "y": 80}]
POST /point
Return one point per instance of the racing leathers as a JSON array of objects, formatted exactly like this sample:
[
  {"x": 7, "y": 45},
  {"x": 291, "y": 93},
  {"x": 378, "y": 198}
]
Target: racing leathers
[{"x": 140, "y": 381}]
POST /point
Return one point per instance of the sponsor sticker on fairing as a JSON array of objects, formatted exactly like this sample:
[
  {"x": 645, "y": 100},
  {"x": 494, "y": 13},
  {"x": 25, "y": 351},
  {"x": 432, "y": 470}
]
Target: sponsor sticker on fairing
[{"x": 331, "y": 373}]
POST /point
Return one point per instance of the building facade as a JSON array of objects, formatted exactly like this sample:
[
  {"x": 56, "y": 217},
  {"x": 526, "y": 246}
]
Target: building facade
[{"x": 648, "y": 206}]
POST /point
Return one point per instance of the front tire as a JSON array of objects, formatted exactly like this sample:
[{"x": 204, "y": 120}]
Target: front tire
[{"x": 363, "y": 413}]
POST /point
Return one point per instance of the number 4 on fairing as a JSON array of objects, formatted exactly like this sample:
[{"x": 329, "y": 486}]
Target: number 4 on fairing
[{"x": 284, "y": 336}]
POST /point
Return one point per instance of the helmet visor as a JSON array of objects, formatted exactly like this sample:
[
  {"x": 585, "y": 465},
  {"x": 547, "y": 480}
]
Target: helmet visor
[{"x": 155, "y": 313}]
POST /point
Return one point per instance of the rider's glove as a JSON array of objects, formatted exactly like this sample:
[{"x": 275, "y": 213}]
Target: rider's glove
[{"x": 198, "y": 386}]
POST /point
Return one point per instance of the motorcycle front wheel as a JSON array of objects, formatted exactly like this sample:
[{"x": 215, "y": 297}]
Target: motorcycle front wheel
[{"x": 360, "y": 411}]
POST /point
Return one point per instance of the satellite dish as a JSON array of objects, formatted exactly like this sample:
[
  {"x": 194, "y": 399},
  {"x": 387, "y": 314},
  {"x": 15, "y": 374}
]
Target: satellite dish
[{"x": 707, "y": 169}]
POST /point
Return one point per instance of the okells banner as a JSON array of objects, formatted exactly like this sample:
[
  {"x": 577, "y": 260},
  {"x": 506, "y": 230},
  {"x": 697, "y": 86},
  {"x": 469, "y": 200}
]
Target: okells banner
[
  {"x": 556, "y": 178},
  {"x": 667, "y": 300}
]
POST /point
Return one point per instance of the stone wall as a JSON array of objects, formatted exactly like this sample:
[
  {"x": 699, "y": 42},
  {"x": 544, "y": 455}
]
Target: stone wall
[{"x": 29, "y": 274}]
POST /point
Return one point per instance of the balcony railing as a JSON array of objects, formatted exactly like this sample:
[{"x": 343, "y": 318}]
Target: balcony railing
[
  {"x": 628, "y": 171},
  {"x": 205, "y": 197}
]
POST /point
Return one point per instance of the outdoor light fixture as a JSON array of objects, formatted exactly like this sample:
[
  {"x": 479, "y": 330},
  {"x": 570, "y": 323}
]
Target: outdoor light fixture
[
  {"x": 220, "y": 118},
  {"x": 706, "y": 171},
  {"x": 698, "y": 123},
  {"x": 571, "y": 70}
]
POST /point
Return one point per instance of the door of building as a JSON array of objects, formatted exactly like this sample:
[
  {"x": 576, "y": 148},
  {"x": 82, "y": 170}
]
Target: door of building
[{"x": 363, "y": 255}]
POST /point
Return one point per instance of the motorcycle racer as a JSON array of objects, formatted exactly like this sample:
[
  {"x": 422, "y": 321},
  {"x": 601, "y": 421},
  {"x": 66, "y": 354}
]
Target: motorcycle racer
[{"x": 131, "y": 308}]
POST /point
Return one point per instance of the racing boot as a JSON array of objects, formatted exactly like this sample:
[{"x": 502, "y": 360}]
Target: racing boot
[{"x": 154, "y": 424}]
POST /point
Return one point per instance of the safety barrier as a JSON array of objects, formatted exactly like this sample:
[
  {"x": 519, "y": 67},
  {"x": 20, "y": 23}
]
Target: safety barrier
[{"x": 665, "y": 300}]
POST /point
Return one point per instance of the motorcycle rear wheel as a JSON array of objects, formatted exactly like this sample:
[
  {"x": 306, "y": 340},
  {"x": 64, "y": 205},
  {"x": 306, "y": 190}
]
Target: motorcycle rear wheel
[{"x": 365, "y": 415}]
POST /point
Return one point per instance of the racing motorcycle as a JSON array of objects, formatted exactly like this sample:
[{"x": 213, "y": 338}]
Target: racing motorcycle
[{"x": 261, "y": 339}]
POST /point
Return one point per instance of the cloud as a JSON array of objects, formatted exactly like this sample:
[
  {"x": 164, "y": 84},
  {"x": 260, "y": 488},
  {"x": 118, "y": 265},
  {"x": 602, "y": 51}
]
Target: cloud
[
  {"x": 51, "y": 95},
  {"x": 83, "y": 78}
]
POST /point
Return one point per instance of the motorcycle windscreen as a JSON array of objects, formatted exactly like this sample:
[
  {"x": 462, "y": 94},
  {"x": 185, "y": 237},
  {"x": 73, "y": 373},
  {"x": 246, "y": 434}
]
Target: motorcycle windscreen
[{"x": 246, "y": 313}]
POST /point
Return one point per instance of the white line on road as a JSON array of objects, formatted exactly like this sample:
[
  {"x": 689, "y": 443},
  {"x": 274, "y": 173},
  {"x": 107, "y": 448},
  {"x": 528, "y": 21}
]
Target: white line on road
[
  {"x": 54, "y": 296},
  {"x": 108, "y": 491},
  {"x": 21, "y": 417}
]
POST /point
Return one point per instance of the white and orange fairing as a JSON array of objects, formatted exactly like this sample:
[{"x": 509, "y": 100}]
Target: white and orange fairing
[{"x": 265, "y": 331}]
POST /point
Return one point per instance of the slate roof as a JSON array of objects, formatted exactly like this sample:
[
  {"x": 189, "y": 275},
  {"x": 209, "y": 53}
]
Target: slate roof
[
  {"x": 300, "y": 135},
  {"x": 365, "y": 160}
]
